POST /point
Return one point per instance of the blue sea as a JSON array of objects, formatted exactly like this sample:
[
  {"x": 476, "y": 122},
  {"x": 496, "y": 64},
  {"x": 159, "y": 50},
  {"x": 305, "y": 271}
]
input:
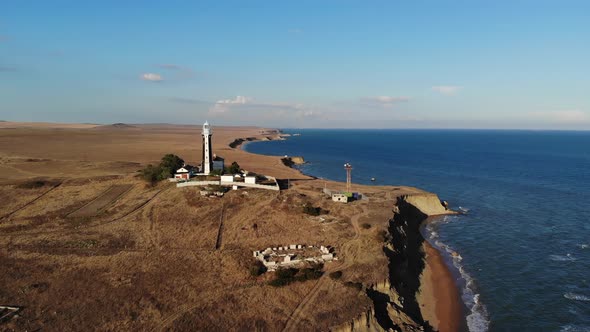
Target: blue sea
[{"x": 524, "y": 244}]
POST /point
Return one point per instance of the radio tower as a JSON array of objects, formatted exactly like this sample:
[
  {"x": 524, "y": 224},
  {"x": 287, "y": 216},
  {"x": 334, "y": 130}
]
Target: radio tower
[{"x": 348, "y": 168}]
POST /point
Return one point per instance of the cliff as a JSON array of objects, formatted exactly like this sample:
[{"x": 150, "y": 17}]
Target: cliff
[{"x": 395, "y": 304}]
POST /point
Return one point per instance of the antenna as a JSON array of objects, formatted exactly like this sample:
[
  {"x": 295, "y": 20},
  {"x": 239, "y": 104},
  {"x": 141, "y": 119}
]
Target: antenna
[{"x": 348, "y": 168}]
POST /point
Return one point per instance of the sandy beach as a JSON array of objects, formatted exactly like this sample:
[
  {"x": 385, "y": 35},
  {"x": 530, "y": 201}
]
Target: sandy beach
[{"x": 439, "y": 295}]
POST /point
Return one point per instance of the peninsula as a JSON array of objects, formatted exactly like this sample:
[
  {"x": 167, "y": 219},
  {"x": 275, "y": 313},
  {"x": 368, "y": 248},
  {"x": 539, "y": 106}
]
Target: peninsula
[{"x": 88, "y": 244}]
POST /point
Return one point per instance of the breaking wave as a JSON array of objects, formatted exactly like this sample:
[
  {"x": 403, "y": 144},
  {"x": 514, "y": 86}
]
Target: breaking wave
[
  {"x": 477, "y": 317},
  {"x": 575, "y": 328},
  {"x": 562, "y": 258},
  {"x": 577, "y": 297}
]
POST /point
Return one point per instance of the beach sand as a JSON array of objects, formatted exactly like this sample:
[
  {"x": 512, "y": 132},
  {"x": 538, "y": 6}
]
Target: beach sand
[{"x": 439, "y": 296}]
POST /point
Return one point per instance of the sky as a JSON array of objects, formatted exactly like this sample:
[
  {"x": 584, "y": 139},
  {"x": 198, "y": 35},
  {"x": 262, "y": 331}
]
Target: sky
[{"x": 304, "y": 64}]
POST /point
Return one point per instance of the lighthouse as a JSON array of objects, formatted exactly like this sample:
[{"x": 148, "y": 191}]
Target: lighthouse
[{"x": 207, "y": 165}]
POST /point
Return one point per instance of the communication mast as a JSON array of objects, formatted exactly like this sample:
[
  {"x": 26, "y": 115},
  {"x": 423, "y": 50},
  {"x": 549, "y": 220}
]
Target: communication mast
[{"x": 348, "y": 168}]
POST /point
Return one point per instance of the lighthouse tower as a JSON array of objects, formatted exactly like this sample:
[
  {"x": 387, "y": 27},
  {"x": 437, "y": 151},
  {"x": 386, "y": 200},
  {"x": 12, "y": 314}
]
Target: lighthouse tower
[{"x": 207, "y": 153}]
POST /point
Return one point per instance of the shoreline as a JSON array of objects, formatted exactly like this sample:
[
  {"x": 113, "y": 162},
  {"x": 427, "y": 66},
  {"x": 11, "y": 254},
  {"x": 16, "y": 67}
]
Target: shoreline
[
  {"x": 438, "y": 286},
  {"x": 439, "y": 294}
]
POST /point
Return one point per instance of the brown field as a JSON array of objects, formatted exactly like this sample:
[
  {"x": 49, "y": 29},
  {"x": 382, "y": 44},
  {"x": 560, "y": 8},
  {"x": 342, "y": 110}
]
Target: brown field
[{"x": 86, "y": 245}]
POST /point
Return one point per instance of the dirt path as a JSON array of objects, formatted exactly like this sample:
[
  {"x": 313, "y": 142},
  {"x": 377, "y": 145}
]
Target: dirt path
[
  {"x": 102, "y": 201},
  {"x": 78, "y": 230},
  {"x": 30, "y": 202}
]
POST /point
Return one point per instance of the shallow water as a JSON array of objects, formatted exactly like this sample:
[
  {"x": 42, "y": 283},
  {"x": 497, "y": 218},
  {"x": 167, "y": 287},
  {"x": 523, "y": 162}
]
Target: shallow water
[{"x": 524, "y": 242}]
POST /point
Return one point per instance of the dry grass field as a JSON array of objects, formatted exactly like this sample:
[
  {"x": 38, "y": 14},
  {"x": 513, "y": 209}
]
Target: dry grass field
[{"x": 86, "y": 245}]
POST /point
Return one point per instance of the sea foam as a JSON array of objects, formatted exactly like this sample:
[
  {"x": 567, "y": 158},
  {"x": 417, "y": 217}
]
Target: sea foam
[
  {"x": 477, "y": 317},
  {"x": 562, "y": 258},
  {"x": 575, "y": 328},
  {"x": 577, "y": 297}
]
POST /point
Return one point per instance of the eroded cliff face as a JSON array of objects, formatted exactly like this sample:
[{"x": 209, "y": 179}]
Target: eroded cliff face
[{"x": 395, "y": 306}]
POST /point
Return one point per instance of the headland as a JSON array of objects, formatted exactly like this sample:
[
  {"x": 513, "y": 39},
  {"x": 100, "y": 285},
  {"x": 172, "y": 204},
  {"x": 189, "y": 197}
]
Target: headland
[{"x": 86, "y": 244}]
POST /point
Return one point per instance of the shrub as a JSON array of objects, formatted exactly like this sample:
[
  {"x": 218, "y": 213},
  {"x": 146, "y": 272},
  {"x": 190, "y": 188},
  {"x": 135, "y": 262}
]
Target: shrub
[
  {"x": 336, "y": 275},
  {"x": 355, "y": 285},
  {"x": 311, "y": 210},
  {"x": 366, "y": 225},
  {"x": 32, "y": 184},
  {"x": 233, "y": 169},
  {"x": 257, "y": 268}
]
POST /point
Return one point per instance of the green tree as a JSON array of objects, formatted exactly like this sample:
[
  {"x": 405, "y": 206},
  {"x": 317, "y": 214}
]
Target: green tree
[
  {"x": 234, "y": 168},
  {"x": 171, "y": 163},
  {"x": 152, "y": 173}
]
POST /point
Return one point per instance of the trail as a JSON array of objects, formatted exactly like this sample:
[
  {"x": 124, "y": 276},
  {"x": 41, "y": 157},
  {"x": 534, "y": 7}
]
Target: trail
[
  {"x": 31, "y": 202},
  {"x": 78, "y": 230},
  {"x": 220, "y": 230}
]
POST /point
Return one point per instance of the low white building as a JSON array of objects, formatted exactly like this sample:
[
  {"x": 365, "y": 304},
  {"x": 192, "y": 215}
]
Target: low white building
[
  {"x": 340, "y": 198},
  {"x": 227, "y": 178},
  {"x": 250, "y": 179}
]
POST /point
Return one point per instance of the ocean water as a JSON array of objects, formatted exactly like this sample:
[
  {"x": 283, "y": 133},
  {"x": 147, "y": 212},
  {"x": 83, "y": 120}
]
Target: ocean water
[{"x": 524, "y": 244}]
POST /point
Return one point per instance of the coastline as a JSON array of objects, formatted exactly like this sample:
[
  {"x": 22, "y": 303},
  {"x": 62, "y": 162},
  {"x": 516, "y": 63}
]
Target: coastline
[
  {"x": 438, "y": 297},
  {"x": 438, "y": 287}
]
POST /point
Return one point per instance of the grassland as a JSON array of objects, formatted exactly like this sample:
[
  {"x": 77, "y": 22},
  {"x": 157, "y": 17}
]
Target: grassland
[{"x": 86, "y": 245}]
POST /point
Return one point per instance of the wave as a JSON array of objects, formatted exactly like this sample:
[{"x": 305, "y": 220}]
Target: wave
[
  {"x": 583, "y": 246},
  {"x": 562, "y": 258},
  {"x": 477, "y": 317},
  {"x": 577, "y": 297},
  {"x": 575, "y": 328},
  {"x": 463, "y": 209}
]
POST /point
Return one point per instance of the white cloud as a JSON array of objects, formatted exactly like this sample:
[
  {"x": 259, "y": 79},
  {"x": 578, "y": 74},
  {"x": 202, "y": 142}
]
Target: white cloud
[
  {"x": 384, "y": 101},
  {"x": 151, "y": 77},
  {"x": 241, "y": 100},
  {"x": 573, "y": 116},
  {"x": 447, "y": 90}
]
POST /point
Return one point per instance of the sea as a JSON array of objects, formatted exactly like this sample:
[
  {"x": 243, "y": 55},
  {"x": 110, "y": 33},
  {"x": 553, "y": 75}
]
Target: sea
[{"x": 523, "y": 244}]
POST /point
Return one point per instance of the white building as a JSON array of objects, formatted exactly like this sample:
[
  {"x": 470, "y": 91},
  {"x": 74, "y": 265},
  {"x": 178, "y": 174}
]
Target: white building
[
  {"x": 250, "y": 179},
  {"x": 337, "y": 197},
  {"x": 207, "y": 149}
]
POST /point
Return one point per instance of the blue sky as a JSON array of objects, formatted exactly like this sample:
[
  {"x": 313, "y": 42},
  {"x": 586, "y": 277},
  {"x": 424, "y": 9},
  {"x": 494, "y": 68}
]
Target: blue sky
[{"x": 345, "y": 64}]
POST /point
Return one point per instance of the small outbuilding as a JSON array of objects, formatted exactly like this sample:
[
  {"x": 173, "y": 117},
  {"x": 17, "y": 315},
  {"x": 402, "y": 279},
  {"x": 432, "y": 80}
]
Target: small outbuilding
[
  {"x": 184, "y": 173},
  {"x": 339, "y": 197},
  {"x": 250, "y": 179}
]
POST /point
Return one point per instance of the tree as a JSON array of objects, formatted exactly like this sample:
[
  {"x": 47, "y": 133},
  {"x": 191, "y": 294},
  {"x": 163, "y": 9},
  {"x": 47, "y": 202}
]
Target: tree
[
  {"x": 171, "y": 163},
  {"x": 152, "y": 173},
  {"x": 234, "y": 168}
]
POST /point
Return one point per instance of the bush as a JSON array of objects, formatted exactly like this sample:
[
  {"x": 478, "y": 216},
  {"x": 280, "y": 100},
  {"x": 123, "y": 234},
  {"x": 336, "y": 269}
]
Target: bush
[
  {"x": 287, "y": 276},
  {"x": 32, "y": 184},
  {"x": 355, "y": 285},
  {"x": 311, "y": 210},
  {"x": 336, "y": 275},
  {"x": 233, "y": 169},
  {"x": 257, "y": 268},
  {"x": 216, "y": 172},
  {"x": 366, "y": 225}
]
